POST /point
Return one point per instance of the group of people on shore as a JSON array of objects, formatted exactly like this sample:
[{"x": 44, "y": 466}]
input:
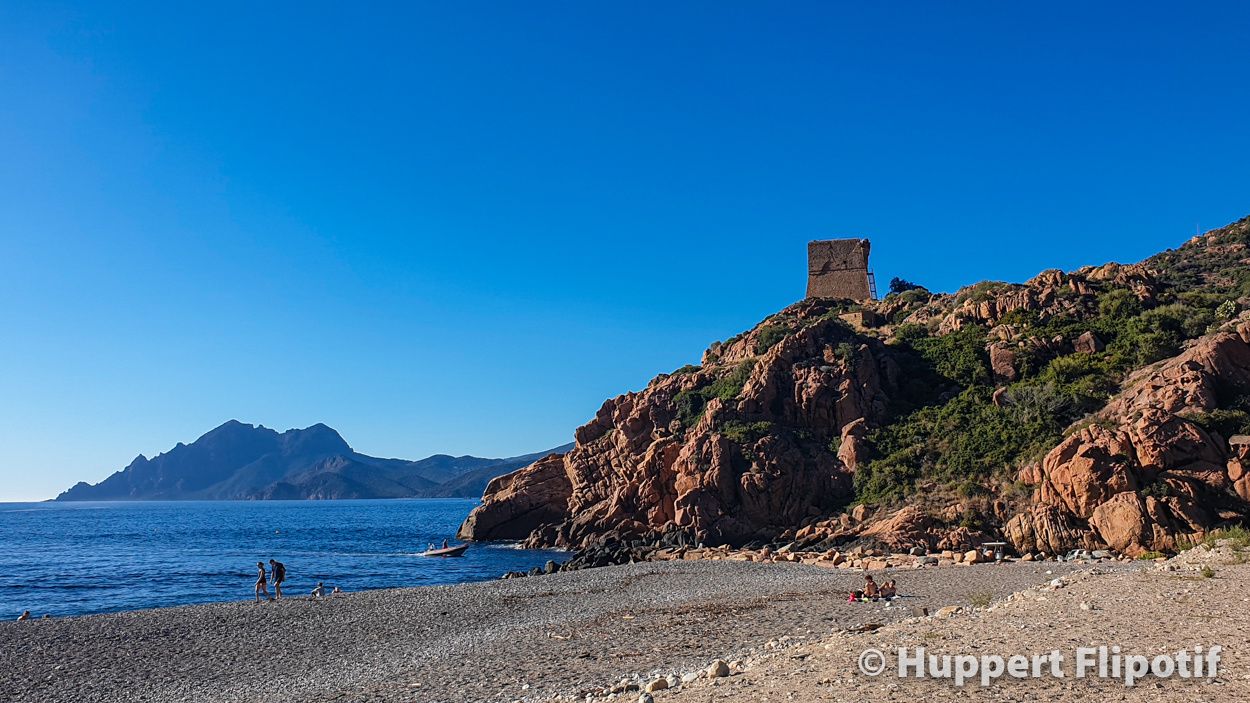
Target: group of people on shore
[
  {"x": 872, "y": 591},
  {"x": 277, "y": 572}
]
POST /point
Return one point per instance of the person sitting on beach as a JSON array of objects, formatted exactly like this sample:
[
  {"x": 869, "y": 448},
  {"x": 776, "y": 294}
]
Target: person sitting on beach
[
  {"x": 24, "y": 616},
  {"x": 337, "y": 590},
  {"x": 888, "y": 589},
  {"x": 279, "y": 575},
  {"x": 319, "y": 591},
  {"x": 261, "y": 585},
  {"x": 871, "y": 589}
]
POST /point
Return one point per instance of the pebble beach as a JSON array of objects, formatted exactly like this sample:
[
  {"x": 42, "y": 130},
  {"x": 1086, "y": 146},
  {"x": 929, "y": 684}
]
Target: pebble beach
[{"x": 562, "y": 636}]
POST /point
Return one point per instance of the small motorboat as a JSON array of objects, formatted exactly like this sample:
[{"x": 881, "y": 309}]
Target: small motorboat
[{"x": 456, "y": 551}]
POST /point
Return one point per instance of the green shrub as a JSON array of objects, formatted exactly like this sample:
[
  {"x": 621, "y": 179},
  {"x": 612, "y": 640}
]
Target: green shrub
[
  {"x": 768, "y": 336},
  {"x": 980, "y": 292},
  {"x": 1227, "y": 310},
  {"x": 745, "y": 433},
  {"x": 847, "y": 353},
  {"x": 959, "y": 356},
  {"x": 899, "y": 285},
  {"x": 1119, "y": 304},
  {"x": 910, "y": 332},
  {"x": 915, "y": 296},
  {"x": 691, "y": 403},
  {"x": 1225, "y": 422},
  {"x": 730, "y": 385}
]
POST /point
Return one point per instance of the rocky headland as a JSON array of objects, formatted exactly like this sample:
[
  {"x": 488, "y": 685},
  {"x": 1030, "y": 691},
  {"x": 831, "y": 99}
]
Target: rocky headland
[{"x": 1100, "y": 409}]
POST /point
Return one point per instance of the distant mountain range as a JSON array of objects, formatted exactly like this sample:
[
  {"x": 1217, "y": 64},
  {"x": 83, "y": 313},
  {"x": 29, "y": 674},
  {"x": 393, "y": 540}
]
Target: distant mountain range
[{"x": 237, "y": 461}]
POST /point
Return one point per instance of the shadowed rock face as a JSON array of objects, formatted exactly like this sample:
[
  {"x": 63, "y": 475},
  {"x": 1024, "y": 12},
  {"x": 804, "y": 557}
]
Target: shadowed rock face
[{"x": 764, "y": 439}]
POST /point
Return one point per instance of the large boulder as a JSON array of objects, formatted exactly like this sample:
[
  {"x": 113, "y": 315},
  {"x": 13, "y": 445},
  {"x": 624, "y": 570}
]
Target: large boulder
[{"x": 518, "y": 503}]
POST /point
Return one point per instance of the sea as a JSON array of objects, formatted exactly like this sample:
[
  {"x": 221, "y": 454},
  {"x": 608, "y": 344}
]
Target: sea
[{"x": 81, "y": 558}]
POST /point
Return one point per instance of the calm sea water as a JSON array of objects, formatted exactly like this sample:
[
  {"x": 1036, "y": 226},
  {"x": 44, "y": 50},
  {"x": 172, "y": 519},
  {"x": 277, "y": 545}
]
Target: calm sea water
[{"x": 79, "y": 558}]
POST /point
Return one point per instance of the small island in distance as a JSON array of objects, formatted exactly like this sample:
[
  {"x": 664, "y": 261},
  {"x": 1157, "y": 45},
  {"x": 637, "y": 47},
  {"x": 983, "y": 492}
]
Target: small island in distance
[{"x": 238, "y": 461}]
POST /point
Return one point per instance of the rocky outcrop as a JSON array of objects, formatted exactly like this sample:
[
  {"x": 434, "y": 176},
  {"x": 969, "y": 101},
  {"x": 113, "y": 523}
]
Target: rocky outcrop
[
  {"x": 1048, "y": 294},
  {"x": 770, "y": 437},
  {"x": 1143, "y": 474},
  {"x": 521, "y": 501},
  {"x": 747, "y": 446}
]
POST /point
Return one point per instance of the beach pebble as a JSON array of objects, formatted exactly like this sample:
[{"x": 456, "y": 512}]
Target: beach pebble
[
  {"x": 656, "y": 685},
  {"x": 689, "y": 676},
  {"x": 718, "y": 669}
]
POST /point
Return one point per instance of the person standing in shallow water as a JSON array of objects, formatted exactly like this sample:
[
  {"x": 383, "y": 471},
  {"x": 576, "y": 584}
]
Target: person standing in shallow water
[
  {"x": 261, "y": 586},
  {"x": 279, "y": 575}
]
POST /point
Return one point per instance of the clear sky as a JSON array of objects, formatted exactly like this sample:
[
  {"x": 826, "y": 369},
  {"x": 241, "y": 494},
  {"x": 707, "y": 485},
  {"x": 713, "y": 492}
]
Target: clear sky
[{"x": 459, "y": 227}]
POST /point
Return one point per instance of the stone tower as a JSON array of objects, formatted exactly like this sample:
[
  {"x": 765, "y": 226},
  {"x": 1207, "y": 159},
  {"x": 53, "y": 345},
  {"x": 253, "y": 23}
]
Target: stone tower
[{"x": 838, "y": 268}]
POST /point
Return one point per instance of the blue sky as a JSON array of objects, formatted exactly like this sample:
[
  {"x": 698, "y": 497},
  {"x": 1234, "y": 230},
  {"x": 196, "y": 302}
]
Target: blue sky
[{"x": 459, "y": 227}]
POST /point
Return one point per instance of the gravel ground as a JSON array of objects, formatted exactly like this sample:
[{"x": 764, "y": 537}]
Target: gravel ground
[
  {"x": 1149, "y": 611},
  {"x": 520, "y": 639}
]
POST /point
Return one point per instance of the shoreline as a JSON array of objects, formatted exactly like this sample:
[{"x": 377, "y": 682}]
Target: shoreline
[{"x": 568, "y": 634}]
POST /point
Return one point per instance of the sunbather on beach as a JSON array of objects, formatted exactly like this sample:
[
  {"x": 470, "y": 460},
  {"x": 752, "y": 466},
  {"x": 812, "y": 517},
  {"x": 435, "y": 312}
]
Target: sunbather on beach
[
  {"x": 888, "y": 589},
  {"x": 24, "y": 616},
  {"x": 261, "y": 584},
  {"x": 319, "y": 591},
  {"x": 871, "y": 589}
]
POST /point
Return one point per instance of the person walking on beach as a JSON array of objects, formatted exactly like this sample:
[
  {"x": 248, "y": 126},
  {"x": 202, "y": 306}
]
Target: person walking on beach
[
  {"x": 279, "y": 575},
  {"x": 261, "y": 586}
]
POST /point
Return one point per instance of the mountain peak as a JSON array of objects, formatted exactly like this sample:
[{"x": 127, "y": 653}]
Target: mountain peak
[{"x": 236, "y": 460}]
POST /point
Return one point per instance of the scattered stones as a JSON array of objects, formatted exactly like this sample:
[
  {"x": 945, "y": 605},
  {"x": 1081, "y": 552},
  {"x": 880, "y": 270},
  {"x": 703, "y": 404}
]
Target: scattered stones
[
  {"x": 718, "y": 669},
  {"x": 656, "y": 685}
]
